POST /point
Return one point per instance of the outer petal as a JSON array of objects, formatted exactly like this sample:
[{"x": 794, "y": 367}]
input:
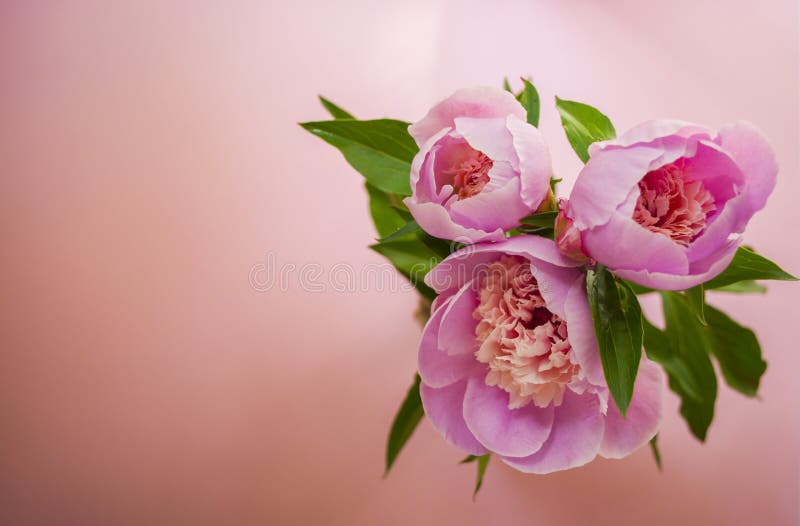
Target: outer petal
[
  {"x": 754, "y": 155},
  {"x": 457, "y": 328},
  {"x": 484, "y": 102},
  {"x": 606, "y": 181},
  {"x": 535, "y": 166},
  {"x": 554, "y": 271},
  {"x": 434, "y": 219},
  {"x": 653, "y": 130},
  {"x": 436, "y": 367},
  {"x": 509, "y": 432},
  {"x": 622, "y": 243},
  {"x": 581, "y": 332},
  {"x": 501, "y": 208},
  {"x": 699, "y": 271},
  {"x": 574, "y": 440},
  {"x": 489, "y": 136},
  {"x": 624, "y": 435},
  {"x": 423, "y": 190},
  {"x": 444, "y": 409}
]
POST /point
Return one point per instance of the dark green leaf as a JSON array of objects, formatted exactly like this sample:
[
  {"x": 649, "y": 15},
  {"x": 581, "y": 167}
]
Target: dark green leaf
[
  {"x": 617, "y": 320},
  {"x": 682, "y": 349},
  {"x": 737, "y": 350},
  {"x": 385, "y": 216},
  {"x": 405, "y": 422},
  {"x": 542, "y": 219},
  {"x": 656, "y": 452},
  {"x": 380, "y": 150},
  {"x": 335, "y": 111},
  {"x": 583, "y": 125},
  {"x": 743, "y": 287},
  {"x": 409, "y": 228},
  {"x": 529, "y": 98},
  {"x": 747, "y": 266},
  {"x": 412, "y": 258},
  {"x": 638, "y": 289},
  {"x": 482, "y": 461},
  {"x": 440, "y": 247},
  {"x": 697, "y": 301}
]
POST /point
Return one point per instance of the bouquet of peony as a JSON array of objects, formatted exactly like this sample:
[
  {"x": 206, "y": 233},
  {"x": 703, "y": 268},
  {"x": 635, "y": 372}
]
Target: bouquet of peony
[{"x": 533, "y": 337}]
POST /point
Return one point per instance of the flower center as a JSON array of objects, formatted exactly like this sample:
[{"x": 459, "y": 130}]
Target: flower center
[
  {"x": 471, "y": 174},
  {"x": 523, "y": 343},
  {"x": 672, "y": 204}
]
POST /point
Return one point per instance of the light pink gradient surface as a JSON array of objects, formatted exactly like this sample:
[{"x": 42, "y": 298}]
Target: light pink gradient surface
[{"x": 150, "y": 158}]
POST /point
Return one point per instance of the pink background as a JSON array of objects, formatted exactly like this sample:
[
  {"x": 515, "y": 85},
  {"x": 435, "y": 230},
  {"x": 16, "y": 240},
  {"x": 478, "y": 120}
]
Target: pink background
[{"x": 150, "y": 158}]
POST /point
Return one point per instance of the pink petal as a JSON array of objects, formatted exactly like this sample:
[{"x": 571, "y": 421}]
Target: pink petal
[
  {"x": 581, "y": 332},
  {"x": 717, "y": 170},
  {"x": 436, "y": 367},
  {"x": 467, "y": 262},
  {"x": 574, "y": 439},
  {"x": 624, "y": 435},
  {"x": 457, "y": 328},
  {"x": 699, "y": 271},
  {"x": 606, "y": 181},
  {"x": 489, "y": 136},
  {"x": 444, "y": 409},
  {"x": 471, "y": 102},
  {"x": 434, "y": 219},
  {"x": 622, "y": 243},
  {"x": 653, "y": 130},
  {"x": 501, "y": 208},
  {"x": 509, "y": 432},
  {"x": 422, "y": 191},
  {"x": 534, "y": 161},
  {"x": 754, "y": 155}
]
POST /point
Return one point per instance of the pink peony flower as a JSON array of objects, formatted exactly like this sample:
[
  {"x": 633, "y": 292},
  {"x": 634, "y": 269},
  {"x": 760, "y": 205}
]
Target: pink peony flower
[
  {"x": 509, "y": 362},
  {"x": 480, "y": 168},
  {"x": 664, "y": 204}
]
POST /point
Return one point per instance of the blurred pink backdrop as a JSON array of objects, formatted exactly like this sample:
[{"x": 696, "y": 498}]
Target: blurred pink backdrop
[{"x": 150, "y": 158}]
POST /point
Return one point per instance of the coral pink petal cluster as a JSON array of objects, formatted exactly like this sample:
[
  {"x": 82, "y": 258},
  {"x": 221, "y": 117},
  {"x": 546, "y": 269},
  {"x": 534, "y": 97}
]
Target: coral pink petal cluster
[{"x": 509, "y": 362}]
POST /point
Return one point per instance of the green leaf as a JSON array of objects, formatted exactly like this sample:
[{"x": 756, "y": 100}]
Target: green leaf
[
  {"x": 737, "y": 350},
  {"x": 748, "y": 266},
  {"x": 380, "y": 150},
  {"x": 482, "y": 461},
  {"x": 744, "y": 287},
  {"x": 656, "y": 452},
  {"x": 539, "y": 224},
  {"x": 529, "y": 98},
  {"x": 682, "y": 349},
  {"x": 542, "y": 219},
  {"x": 385, "y": 216},
  {"x": 409, "y": 228},
  {"x": 405, "y": 422},
  {"x": 506, "y": 85},
  {"x": 618, "y": 327},
  {"x": 412, "y": 258},
  {"x": 638, "y": 289},
  {"x": 583, "y": 125},
  {"x": 335, "y": 111},
  {"x": 697, "y": 300}
]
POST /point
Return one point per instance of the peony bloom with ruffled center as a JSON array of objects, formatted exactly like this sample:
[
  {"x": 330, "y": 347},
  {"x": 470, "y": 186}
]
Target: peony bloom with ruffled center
[
  {"x": 664, "y": 205},
  {"x": 480, "y": 167},
  {"x": 509, "y": 362}
]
